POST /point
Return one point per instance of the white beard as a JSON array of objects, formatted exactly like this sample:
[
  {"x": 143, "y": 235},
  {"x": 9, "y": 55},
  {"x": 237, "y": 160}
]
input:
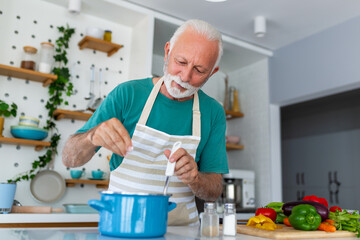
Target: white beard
[{"x": 174, "y": 91}]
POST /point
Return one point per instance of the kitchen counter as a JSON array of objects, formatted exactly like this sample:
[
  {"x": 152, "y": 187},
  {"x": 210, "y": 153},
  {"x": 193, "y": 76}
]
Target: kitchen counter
[{"x": 173, "y": 233}]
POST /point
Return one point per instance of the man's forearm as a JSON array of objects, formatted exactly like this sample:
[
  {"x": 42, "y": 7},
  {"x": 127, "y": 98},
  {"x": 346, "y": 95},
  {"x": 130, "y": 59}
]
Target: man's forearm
[
  {"x": 207, "y": 186},
  {"x": 78, "y": 150}
]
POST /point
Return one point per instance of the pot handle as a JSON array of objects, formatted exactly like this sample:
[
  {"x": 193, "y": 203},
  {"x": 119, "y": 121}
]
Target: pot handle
[
  {"x": 171, "y": 206},
  {"x": 99, "y": 205}
]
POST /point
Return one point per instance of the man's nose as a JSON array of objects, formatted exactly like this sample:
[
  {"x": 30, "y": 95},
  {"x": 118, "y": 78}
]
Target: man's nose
[{"x": 186, "y": 74}]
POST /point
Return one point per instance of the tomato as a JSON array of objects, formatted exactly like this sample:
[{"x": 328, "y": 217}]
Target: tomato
[
  {"x": 334, "y": 208},
  {"x": 267, "y": 212}
]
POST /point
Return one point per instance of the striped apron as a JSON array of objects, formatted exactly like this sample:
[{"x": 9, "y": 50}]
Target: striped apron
[{"x": 143, "y": 169}]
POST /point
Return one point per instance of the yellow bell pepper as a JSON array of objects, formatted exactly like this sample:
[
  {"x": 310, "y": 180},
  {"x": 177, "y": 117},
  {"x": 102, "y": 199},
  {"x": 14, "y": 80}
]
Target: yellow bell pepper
[{"x": 262, "y": 222}]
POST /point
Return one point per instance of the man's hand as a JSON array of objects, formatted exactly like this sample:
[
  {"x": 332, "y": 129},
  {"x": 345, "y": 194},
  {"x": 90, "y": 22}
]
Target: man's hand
[
  {"x": 112, "y": 135},
  {"x": 185, "y": 168}
]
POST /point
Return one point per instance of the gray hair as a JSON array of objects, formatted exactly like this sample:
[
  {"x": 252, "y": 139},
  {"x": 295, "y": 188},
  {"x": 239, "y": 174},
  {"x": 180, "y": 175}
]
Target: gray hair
[{"x": 202, "y": 28}]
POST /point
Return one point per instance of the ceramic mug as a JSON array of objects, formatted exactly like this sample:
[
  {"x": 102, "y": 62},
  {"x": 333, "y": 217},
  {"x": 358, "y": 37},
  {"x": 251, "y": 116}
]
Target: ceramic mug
[
  {"x": 98, "y": 174},
  {"x": 76, "y": 174}
]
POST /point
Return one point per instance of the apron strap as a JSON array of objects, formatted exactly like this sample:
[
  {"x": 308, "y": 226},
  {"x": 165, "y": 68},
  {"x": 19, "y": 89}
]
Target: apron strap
[{"x": 196, "y": 126}]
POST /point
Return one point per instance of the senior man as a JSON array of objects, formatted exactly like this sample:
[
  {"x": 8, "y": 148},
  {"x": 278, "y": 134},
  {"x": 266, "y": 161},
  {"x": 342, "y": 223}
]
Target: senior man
[{"x": 140, "y": 120}]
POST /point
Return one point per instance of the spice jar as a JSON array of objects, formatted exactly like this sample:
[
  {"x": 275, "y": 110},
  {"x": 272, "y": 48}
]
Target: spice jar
[
  {"x": 235, "y": 105},
  {"x": 229, "y": 228},
  {"x": 209, "y": 221},
  {"x": 107, "y": 35},
  {"x": 46, "y": 57},
  {"x": 29, "y": 58}
]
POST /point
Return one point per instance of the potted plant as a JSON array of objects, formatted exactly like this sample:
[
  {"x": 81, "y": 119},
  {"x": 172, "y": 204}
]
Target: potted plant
[{"x": 6, "y": 110}]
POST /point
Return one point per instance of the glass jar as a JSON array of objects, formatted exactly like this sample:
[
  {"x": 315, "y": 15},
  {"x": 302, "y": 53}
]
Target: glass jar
[
  {"x": 29, "y": 58},
  {"x": 107, "y": 35},
  {"x": 229, "y": 221},
  {"x": 46, "y": 57},
  {"x": 209, "y": 221}
]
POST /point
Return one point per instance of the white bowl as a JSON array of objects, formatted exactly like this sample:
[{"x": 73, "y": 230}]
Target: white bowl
[{"x": 95, "y": 32}]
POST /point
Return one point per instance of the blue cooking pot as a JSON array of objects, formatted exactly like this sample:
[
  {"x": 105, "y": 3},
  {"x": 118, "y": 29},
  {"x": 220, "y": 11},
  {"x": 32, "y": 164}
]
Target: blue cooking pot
[{"x": 133, "y": 215}]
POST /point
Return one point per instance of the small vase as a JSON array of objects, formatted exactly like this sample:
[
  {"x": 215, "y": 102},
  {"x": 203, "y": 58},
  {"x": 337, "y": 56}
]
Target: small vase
[{"x": 1, "y": 126}]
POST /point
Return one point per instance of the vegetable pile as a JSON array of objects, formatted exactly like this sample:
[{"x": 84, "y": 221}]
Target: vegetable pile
[{"x": 312, "y": 213}]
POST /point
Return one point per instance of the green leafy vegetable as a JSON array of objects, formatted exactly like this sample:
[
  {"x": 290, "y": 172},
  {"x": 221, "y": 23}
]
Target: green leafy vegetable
[{"x": 346, "y": 221}]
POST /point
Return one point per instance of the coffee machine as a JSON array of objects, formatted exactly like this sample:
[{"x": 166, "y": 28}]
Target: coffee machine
[{"x": 238, "y": 188}]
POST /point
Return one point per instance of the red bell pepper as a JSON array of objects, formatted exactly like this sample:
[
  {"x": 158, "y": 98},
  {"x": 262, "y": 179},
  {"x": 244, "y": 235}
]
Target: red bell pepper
[
  {"x": 314, "y": 198},
  {"x": 334, "y": 208}
]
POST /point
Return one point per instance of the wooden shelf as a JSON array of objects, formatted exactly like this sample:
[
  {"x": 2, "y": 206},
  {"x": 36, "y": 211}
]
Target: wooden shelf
[
  {"x": 45, "y": 78},
  {"x": 19, "y": 141},
  {"x": 61, "y": 113},
  {"x": 230, "y": 146},
  {"x": 98, "y": 183},
  {"x": 100, "y": 45},
  {"x": 231, "y": 114}
]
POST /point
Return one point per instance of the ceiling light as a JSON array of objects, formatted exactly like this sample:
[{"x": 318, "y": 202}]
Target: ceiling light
[
  {"x": 216, "y": 0},
  {"x": 74, "y": 6},
  {"x": 260, "y": 26}
]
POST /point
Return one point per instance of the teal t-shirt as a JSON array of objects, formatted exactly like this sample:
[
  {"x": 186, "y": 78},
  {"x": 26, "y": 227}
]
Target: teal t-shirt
[{"x": 127, "y": 100}]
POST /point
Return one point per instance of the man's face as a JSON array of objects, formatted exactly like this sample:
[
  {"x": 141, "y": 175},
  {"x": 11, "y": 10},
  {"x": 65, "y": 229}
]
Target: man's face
[{"x": 189, "y": 64}]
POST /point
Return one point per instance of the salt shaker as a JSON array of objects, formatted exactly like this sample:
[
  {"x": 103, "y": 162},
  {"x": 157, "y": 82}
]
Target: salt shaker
[
  {"x": 229, "y": 227},
  {"x": 209, "y": 221}
]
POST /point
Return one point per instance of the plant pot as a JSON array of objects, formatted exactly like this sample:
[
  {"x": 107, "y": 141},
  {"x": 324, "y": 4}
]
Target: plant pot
[{"x": 2, "y": 119}]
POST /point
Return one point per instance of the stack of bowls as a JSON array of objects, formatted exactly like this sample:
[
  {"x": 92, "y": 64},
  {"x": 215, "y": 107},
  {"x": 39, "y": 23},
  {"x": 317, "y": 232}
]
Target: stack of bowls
[{"x": 28, "y": 128}]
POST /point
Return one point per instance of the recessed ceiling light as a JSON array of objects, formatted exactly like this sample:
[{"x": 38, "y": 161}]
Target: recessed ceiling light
[{"x": 216, "y": 0}]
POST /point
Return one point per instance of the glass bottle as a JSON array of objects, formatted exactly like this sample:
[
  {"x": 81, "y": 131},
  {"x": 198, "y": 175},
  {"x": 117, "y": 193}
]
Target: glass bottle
[
  {"x": 209, "y": 221},
  {"x": 229, "y": 228},
  {"x": 107, "y": 35},
  {"x": 236, "y": 106},
  {"x": 46, "y": 57},
  {"x": 29, "y": 58}
]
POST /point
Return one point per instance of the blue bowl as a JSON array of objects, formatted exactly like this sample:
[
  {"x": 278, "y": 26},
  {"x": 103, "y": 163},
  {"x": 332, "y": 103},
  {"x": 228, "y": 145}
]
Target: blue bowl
[{"x": 28, "y": 132}]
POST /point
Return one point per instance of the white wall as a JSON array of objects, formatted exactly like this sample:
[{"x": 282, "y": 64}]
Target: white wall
[
  {"x": 15, "y": 161},
  {"x": 254, "y": 127}
]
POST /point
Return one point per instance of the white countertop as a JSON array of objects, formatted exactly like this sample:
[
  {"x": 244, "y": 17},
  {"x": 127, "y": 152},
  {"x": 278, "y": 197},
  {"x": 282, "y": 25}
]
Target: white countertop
[{"x": 48, "y": 217}]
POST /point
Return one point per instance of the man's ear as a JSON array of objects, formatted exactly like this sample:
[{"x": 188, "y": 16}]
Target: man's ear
[
  {"x": 167, "y": 50},
  {"x": 215, "y": 70}
]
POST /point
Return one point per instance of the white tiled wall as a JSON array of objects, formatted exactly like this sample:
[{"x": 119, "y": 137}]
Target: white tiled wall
[
  {"x": 35, "y": 21},
  {"x": 253, "y": 128}
]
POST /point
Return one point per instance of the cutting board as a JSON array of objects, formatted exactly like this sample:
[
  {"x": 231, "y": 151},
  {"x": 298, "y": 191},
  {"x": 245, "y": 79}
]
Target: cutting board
[
  {"x": 34, "y": 209},
  {"x": 291, "y": 233}
]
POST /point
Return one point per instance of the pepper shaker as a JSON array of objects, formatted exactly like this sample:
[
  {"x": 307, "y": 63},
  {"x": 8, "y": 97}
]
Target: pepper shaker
[{"x": 209, "y": 221}]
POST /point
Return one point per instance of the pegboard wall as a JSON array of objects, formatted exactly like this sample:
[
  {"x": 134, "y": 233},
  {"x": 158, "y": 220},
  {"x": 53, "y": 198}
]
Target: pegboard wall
[{"x": 24, "y": 23}]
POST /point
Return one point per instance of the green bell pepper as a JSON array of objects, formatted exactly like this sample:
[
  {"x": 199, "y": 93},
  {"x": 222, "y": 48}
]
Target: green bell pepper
[
  {"x": 304, "y": 217},
  {"x": 280, "y": 217}
]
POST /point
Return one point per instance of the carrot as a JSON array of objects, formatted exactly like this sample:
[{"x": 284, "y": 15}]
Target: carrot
[
  {"x": 330, "y": 221},
  {"x": 286, "y": 222},
  {"x": 326, "y": 227}
]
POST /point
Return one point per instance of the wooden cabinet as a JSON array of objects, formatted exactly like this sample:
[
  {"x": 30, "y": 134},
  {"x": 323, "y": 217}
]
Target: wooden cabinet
[{"x": 231, "y": 115}]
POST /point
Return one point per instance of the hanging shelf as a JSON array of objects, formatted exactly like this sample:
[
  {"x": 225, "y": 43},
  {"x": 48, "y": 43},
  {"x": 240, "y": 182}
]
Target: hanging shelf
[
  {"x": 45, "y": 78},
  {"x": 231, "y": 114},
  {"x": 19, "y": 141},
  {"x": 100, "y": 45},
  {"x": 61, "y": 113},
  {"x": 98, "y": 183},
  {"x": 230, "y": 146}
]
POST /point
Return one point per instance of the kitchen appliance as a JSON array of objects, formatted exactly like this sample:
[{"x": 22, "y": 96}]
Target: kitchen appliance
[
  {"x": 132, "y": 215},
  {"x": 238, "y": 188}
]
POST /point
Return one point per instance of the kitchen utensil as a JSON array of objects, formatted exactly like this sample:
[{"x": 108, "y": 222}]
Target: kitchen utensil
[
  {"x": 226, "y": 99},
  {"x": 132, "y": 215},
  {"x": 170, "y": 167},
  {"x": 99, "y": 100},
  {"x": 7, "y": 193},
  {"x": 91, "y": 93},
  {"x": 79, "y": 208},
  {"x": 98, "y": 174},
  {"x": 76, "y": 174},
  {"x": 28, "y": 132},
  {"x": 47, "y": 186},
  {"x": 35, "y": 209},
  {"x": 290, "y": 233}
]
